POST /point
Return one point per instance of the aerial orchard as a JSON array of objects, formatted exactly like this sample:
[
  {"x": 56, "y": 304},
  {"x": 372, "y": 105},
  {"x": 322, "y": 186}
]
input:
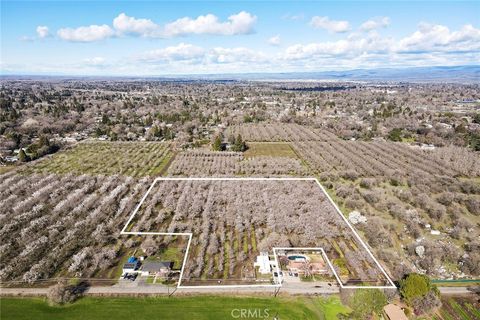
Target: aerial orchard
[
  {"x": 68, "y": 223},
  {"x": 136, "y": 159},
  {"x": 233, "y": 221},
  {"x": 279, "y": 132},
  {"x": 205, "y": 163}
]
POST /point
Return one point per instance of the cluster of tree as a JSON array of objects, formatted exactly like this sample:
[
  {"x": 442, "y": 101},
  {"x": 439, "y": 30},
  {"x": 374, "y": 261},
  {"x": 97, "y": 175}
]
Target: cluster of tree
[
  {"x": 38, "y": 149},
  {"x": 204, "y": 163},
  {"x": 53, "y": 221},
  {"x": 416, "y": 188},
  {"x": 278, "y": 132},
  {"x": 419, "y": 293},
  {"x": 231, "y": 226},
  {"x": 371, "y": 159},
  {"x": 123, "y": 111},
  {"x": 63, "y": 292},
  {"x": 237, "y": 144},
  {"x": 121, "y": 157},
  {"x": 234, "y": 144},
  {"x": 365, "y": 303},
  {"x": 416, "y": 291}
]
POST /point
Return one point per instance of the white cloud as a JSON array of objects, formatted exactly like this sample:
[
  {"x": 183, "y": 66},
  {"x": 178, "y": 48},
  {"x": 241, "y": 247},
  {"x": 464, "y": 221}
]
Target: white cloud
[
  {"x": 125, "y": 24},
  {"x": 434, "y": 38},
  {"x": 240, "y": 23},
  {"x": 375, "y": 23},
  {"x": 86, "y": 34},
  {"x": 180, "y": 52},
  {"x": 95, "y": 61},
  {"x": 430, "y": 45},
  {"x": 351, "y": 47},
  {"x": 334, "y": 26},
  {"x": 274, "y": 41},
  {"x": 188, "y": 53},
  {"x": 42, "y": 32},
  {"x": 236, "y": 55}
]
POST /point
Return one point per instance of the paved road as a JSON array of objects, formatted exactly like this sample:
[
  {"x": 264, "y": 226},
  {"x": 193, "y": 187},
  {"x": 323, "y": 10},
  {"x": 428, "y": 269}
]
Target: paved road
[
  {"x": 291, "y": 288},
  {"x": 454, "y": 290},
  {"x": 23, "y": 291}
]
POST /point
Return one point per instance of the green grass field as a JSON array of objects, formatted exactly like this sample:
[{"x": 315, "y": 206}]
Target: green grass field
[
  {"x": 198, "y": 308},
  {"x": 270, "y": 149},
  {"x": 172, "y": 253},
  {"x": 135, "y": 159}
]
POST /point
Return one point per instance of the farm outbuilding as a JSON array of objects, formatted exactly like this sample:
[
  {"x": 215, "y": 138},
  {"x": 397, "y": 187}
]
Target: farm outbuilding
[{"x": 132, "y": 265}]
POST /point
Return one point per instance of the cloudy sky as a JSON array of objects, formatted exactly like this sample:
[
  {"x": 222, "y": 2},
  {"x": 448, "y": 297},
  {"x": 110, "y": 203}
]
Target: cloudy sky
[{"x": 192, "y": 37}]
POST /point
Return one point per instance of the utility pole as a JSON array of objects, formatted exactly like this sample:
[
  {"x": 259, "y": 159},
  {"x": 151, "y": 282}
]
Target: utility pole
[{"x": 277, "y": 290}]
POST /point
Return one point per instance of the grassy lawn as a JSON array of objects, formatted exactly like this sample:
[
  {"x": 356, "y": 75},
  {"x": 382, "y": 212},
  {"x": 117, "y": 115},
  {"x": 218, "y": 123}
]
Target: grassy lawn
[
  {"x": 198, "y": 307},
  {"x": 135, "y": 159},
  {"x": 331, "y": 307},
  {"x": 271, "y": 149},
  {"x": 172, "y": 253}
]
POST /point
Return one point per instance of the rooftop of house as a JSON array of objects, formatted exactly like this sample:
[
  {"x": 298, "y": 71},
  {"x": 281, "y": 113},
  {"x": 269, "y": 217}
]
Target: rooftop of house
[{"x": 153, "y": 266}]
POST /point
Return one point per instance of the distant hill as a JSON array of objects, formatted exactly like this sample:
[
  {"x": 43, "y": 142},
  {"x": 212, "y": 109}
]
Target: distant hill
[
  {"x": 464, "y": 74},
  {"x": 459, "y": 74}
]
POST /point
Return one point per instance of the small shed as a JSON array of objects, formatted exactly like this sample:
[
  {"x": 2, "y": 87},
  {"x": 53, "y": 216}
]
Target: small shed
[{"x": 132, "y": 265}]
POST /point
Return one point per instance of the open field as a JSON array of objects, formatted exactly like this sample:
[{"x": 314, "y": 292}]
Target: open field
[
  {"x": 269, "y": 149},
  {"x": 200, "y": 307},
  {"x": 230, "y": 227},
  {"x": 136, "y": 159}
]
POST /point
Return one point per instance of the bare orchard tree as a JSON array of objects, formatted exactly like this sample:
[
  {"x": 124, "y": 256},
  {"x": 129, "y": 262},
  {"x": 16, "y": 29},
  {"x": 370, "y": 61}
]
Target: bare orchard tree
[{"x": 60, "y": 293}]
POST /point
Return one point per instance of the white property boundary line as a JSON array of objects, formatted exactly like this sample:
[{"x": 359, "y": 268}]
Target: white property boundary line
[{"x": 189, "y": 234}]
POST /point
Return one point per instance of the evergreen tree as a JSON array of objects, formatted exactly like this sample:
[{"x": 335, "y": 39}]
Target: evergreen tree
[
  {"x": 239, "y": 145},
  {"x": 22, "y": 156},
  {"x": 217, "y": 143},
  {"x": 415, "y": 286}
]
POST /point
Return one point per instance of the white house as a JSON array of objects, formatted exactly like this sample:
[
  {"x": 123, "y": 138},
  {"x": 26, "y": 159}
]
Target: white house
[{"x": 263, "y": 263}]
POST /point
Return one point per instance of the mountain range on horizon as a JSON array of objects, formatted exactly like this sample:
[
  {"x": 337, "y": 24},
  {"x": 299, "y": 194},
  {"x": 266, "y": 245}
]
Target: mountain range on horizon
[{"x": 463, "y": 74}]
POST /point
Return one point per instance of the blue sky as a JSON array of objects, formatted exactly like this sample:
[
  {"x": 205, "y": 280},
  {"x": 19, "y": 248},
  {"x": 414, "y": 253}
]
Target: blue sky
[{"x": 191, "y": 37}]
